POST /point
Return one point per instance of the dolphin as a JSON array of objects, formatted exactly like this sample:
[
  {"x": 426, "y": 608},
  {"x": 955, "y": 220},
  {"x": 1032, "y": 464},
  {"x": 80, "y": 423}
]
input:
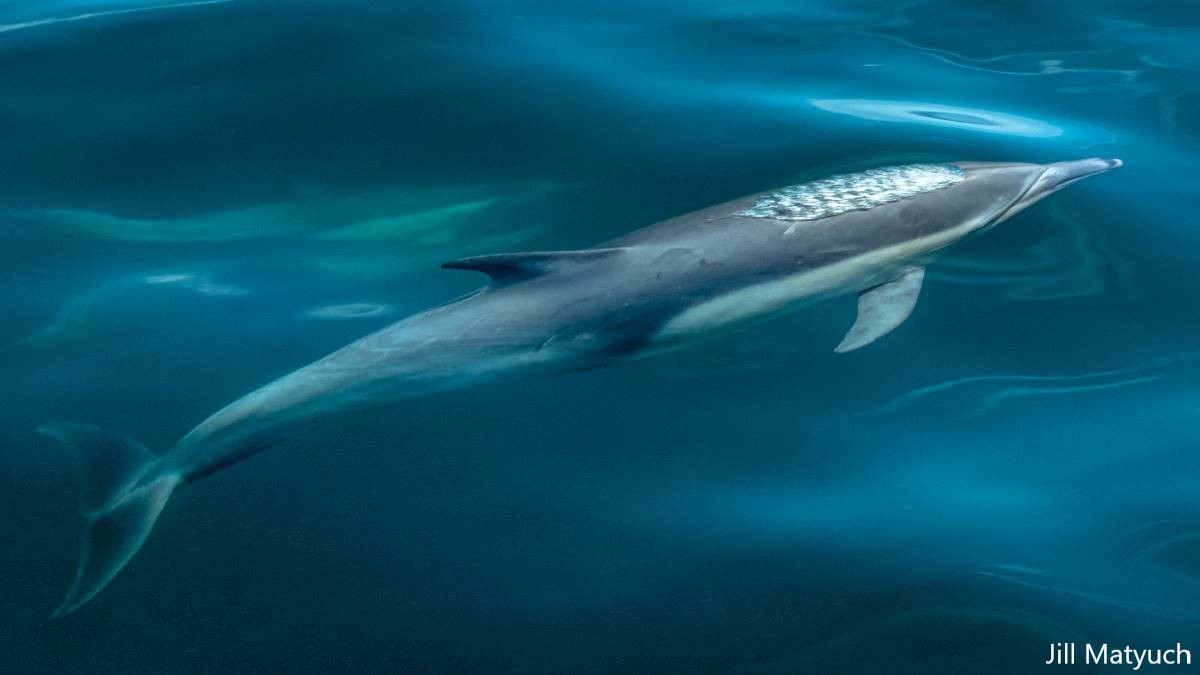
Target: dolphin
[{"x": 656, "y": 289}]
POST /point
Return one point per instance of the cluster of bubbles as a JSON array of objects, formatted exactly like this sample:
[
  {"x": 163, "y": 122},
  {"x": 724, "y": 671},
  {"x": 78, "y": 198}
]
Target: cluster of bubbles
[{"x": 853, "y": 192}]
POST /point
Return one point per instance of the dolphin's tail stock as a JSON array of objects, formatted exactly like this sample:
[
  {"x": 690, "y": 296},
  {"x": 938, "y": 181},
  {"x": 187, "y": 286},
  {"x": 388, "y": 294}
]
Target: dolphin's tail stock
[{"x": 121, "y": 499}]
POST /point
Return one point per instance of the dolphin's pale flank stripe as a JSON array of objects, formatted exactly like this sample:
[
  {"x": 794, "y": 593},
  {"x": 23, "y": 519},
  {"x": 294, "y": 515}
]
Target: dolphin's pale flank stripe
[
  {"x": 663, "y": 287},
  {"x": 770, "y": 296}
]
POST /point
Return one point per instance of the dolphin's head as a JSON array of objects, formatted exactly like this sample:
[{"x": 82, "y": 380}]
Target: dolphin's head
[{"x": 1016, "y": 186}]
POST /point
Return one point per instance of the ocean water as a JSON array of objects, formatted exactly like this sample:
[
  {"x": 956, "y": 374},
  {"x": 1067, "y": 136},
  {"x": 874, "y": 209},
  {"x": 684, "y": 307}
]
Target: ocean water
[{"x": 199, "y": 197}]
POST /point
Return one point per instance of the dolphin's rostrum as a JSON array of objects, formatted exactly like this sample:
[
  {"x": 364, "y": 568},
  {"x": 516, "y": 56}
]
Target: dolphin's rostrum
[{"x": 658, "y": 288}]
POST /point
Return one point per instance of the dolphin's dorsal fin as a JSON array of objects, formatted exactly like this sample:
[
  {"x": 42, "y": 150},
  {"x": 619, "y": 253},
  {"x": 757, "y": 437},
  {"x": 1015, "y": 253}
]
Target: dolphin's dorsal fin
[
  {"x": 882, "y": 308},
  {"x": 509, "y": 267}
]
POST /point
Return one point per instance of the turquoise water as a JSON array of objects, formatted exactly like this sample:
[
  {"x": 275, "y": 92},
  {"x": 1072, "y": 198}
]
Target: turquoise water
[{"x": 200, "y": 197}]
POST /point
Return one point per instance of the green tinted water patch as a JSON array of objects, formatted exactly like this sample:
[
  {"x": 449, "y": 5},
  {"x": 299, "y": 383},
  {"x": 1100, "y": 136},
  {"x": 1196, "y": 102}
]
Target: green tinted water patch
[
  {"x": 432, "y": 224},
  {"x": 434, "y": 215}
]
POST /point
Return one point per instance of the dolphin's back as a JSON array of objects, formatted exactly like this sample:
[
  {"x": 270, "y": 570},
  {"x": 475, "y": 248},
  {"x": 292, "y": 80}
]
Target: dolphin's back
[{"x": 843, "y": 215}]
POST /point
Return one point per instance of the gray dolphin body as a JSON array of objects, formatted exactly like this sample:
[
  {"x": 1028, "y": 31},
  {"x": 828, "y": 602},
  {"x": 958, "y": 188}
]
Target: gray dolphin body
[{"x": 659, "y": 288}]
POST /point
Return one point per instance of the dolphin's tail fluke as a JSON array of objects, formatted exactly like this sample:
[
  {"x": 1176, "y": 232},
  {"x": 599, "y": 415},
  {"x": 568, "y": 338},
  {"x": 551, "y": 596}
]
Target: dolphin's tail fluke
[{"x": 122, "y": 497}]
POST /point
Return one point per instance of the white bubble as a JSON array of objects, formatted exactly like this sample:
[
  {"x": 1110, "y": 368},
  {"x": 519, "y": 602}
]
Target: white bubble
[
  {"x": 354, "y": 310},
  {"x": 939, "y": 115},
  {"x": 206, "y": 287},
  {"x": 174, "y": 279}
]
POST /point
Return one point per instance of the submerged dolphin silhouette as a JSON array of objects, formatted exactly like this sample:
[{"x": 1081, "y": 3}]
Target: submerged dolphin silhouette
[{"x": 655, "y": 289}]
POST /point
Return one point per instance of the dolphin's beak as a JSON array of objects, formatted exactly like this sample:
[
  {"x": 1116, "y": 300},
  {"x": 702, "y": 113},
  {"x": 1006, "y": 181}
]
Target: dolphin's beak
[
  {"x": 1055, "y": 177},
  {"x": 1061, "y": 174}
]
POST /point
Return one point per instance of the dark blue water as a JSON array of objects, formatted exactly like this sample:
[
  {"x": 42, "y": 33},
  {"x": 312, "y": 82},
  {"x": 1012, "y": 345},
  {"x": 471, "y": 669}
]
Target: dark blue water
[{"x": 199, "y": 198}]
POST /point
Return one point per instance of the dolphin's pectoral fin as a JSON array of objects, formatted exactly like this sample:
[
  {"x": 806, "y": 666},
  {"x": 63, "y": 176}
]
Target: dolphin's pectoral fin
[
  {"x": 882, "y": 308},
  {"x": 509, "y": 267}
]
